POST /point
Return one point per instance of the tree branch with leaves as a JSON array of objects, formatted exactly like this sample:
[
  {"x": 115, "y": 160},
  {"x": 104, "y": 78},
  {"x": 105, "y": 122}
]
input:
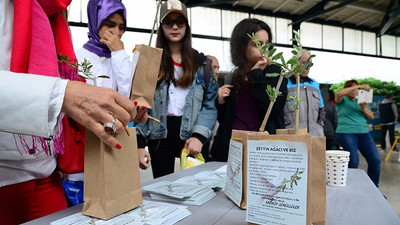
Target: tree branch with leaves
[
  {"x": 288, "y": 68},
  {"x": 83, "y": 68}
]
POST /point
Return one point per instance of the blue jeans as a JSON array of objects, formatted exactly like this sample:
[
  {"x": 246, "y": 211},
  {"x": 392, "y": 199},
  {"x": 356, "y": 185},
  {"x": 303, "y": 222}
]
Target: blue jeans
[{"x": 367, "y": 147}]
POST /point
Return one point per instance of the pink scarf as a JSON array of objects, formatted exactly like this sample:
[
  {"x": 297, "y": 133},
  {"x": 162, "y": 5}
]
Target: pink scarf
[{"x": 40, "y": 32}]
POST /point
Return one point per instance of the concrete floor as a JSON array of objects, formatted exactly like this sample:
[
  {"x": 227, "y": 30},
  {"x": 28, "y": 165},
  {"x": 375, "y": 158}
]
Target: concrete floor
[{"x": 389, "y": 183}]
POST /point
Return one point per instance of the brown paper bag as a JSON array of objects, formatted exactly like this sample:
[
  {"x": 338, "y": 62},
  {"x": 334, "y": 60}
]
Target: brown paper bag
[
  {"x": 112, "y": 178},
  {"x": 316, "y": 185},
  {"x": 145, "y": 75},
  {"x": 316, "y": 180}
]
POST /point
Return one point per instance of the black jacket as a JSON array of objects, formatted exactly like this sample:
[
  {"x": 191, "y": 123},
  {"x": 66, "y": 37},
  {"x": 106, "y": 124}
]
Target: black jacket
[
  {"x": 386, "y": 114},
  {"x": 220, "y": 147}
]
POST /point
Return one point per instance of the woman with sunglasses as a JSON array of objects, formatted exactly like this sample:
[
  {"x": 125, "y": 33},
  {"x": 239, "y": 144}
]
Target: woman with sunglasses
[{"x": 184, "y": 99}]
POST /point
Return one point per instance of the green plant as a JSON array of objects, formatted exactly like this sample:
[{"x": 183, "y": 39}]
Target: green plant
[
  {"x": 295, "y": 100},
  {"x": 83, "y": 68},
  {"x": 288, "y": 68}
]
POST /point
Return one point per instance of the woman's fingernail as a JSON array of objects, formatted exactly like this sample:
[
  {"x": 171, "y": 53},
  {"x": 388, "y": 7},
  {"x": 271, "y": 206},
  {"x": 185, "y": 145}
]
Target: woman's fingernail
[
  {"x": 143, "y": 107},
  {"x": 118, "y": 146},
  {"x": 135, "y": 102}
]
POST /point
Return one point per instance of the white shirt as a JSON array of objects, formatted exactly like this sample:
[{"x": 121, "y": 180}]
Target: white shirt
[
  {"x": 176, "y": 94},
  {"x": 118, "y": 68}
]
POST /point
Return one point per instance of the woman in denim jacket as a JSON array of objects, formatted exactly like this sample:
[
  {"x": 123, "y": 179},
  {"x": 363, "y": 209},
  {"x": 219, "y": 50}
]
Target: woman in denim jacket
[{"x": 184, "y": 101}]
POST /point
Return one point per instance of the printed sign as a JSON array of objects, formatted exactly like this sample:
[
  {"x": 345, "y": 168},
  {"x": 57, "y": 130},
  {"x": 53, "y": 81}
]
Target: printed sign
[
  {"x": 276, "y": 182},
  {"x": 233, "y": 184}
]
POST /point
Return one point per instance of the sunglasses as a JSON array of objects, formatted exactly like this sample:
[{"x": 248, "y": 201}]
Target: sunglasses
[{"x": 170, "y": 23}]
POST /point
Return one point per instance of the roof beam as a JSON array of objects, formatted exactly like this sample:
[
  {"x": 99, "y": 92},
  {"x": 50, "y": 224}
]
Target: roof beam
[
  {"x": 363, "y": 7},
  {"x": 258, "y": 4},
  {"x": 247, "y": 9},
  {"x": 281, "y": 5},
  {"x": 318, "y": 10},
  {"x": 377, "y": 2},
  {"x": 336, "y": 13},
  {"x": 319, "y": 7},
  {"x": 352, "y": 17},
  {"x": 387, "y": 25},
  {"x": 386, "y": 17},
  {"x": 393, "y": 29},
  {"x": 305, "y": 4},
  {"x": 195, "y": 3},
  {"x": 365, "y": 21}
]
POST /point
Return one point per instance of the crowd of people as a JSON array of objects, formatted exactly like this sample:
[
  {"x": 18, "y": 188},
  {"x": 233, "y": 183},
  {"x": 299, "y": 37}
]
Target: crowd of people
[{"x": 196, "y": 112}]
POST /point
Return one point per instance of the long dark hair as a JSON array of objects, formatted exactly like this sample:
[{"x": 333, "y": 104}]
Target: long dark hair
[
  {"x": 239, "y": 44},
  {"x": 188, "y": 59}
]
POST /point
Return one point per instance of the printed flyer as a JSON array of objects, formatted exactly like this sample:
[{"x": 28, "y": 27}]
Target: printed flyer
[
  {"x": 277, "y": 182},
  {"x": 233, "y": 184},
  {"x": 149, "y": 213},
  {"x": 173, "y": 189}
]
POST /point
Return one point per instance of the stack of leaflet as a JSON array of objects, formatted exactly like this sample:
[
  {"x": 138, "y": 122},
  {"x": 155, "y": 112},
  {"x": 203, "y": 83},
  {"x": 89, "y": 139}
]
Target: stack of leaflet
[
  {"x": 185, "y": 190},
  {"x": 149, "y": 213},
  {"x": 193, "y": 190},
  {"x": 218, "y": 177}
]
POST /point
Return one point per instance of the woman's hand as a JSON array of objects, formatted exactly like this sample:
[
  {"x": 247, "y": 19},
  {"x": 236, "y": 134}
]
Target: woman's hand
[
  {"x": 112, "y": 40},
  {"x": 193, "y": 146},
  {"x": 144, "y": 158},
  {"x": 94, "y": 106},
  {"x": 364, "y": 87},
  {"x": 262, "y": 63},
  {"x": 224, "y": 92},
  {"x": 141, "y": 115},
  {"x": 363, "y": 106},
  {"x": 368, "y": 113}
]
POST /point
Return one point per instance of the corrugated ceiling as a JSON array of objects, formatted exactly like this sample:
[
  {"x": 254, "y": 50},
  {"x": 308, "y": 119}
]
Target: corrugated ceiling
[{"x": 378, "y": 16}]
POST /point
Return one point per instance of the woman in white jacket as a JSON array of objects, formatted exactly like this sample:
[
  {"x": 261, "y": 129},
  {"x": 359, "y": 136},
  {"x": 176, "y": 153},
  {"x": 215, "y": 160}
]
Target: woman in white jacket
[
  {"x": 31, "y": 104},
  {"x": 105, "y": 50}
]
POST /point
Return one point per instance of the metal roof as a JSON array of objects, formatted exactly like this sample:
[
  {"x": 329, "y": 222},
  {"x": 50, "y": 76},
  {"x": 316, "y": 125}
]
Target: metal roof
[{"x": 379, "y": 16}]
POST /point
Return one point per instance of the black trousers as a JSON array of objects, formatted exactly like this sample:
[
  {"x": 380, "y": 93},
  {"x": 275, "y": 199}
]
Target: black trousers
[
  {"x": 164, "y": 151},
  {"x": 205, "y": 152},
  {"x": 386, "y": 128}
]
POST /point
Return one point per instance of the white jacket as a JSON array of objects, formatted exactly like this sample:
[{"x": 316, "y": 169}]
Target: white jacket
[
  {"x": 29, "y": 104},
  {"x": 118, "y": 67}
]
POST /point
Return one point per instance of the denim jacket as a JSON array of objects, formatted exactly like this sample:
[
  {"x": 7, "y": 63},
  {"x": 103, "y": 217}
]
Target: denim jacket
[{"x": 199, "y": 113}]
